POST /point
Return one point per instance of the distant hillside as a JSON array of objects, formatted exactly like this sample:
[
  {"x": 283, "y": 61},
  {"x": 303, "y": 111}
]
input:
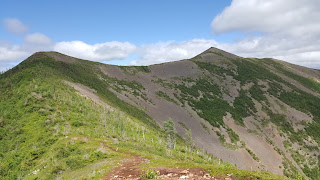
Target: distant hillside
[{"x": 65, "y": 117}]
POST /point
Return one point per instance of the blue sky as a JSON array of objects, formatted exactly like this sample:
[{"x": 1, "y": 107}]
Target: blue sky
[
  {"x": 138, "y": 22},
  {"x": 145, "y": 32}
]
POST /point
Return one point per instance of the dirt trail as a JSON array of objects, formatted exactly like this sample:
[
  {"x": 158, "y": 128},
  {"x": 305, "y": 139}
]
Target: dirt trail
[
  {"x": 129, "y": 170},
  {"x": 184, "y": 173},
  {"x": 126, "y": 170}
]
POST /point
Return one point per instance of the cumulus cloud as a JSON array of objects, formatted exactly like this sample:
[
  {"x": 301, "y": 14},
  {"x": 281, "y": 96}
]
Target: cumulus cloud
[
  {"x": 11, "y": 53},
  {"x": 289, "y": 29},
  {"x": 171, "y": 51},
  {"x": 32, "y": 43},
  {"x": 297, "y": 52},
  {"x": 37, "y": 38},
  {"x": 97, "y": 52},
  {"x": 39, "y": 42},
  {"x": 285, "y": 16},
  {"x": 15, "y": 26}
]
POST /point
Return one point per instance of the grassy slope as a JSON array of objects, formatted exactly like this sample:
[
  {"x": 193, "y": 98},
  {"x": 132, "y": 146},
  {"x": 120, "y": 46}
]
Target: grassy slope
[{"x": 47, "y": 129}]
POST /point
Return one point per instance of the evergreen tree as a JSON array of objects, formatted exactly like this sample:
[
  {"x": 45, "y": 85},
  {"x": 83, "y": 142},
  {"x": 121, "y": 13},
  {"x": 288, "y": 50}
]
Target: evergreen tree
[
  {"x": 170, "y": 131},
  {"x": 188, "y": 138}
]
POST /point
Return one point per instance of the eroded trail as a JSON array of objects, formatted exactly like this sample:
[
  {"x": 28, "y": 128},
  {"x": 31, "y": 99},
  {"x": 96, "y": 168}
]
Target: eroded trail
[{"x": 127, "y": 169}]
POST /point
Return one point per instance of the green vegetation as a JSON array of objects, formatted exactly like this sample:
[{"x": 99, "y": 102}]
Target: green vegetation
[
  {"x": 281, "y": 122},
  {"x": 150, "y": 174},
  {"x": 86, "y": 73},
  {"x": 243, "y": 106},
  {"x": 231, "y": 146},
  {"x": 163, "y": 83},
  {"x": 163, "y": 95},
  {"x": 303, "y": 102},
  {"x": 289, "y": 169},
  {"x": 133, "y": 70},
  {"x": 205, "y": 127},
  {"x": 170, "y": 133},
  {"x": 253, "y": 70},
  {"x": 49, "y": 130},
  {"x": 257, "y": 94},
  {"x": 234, "y": 138},
  {"x": 44, "y": 122},
  {"x": 214, "y": 69},
  {"x": 217, "y": 53},
  {"x": 183, "y": 125},
  {"x": 233, "y": 135},
  {"x": 188, "y": 138},
  {"x": 307, "y": 82},
  {"x": 212, "y": 108},
  {"x": 253, "y": 155}
]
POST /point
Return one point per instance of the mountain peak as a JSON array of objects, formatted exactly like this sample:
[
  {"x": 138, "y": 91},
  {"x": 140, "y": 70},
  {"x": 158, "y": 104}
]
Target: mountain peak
[
  {"x": 220, "y": 52},
  {"x": 52, "y": 54}
]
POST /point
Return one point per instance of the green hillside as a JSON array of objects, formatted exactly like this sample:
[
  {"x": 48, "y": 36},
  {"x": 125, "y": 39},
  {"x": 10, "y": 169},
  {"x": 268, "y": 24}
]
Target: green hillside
[{"x": 50, "y": 130}]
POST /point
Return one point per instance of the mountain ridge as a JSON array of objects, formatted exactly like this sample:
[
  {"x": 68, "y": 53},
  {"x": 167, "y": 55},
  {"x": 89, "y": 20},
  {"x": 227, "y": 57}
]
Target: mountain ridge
[{"x": 241, "y": 110}]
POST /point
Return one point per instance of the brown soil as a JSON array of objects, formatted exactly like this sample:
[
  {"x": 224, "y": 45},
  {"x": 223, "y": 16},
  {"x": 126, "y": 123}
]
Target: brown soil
[
  {"x": 183, "y": 173},
  {"x": 129, "y": 170}
]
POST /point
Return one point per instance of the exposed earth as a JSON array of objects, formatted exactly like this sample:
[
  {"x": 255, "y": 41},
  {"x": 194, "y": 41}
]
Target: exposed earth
[{"x": 129, "y": 169}]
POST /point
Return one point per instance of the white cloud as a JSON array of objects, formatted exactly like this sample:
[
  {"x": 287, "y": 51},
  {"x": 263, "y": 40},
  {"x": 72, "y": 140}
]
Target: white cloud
[
  {"x": 113, "y": 50},
  {"x": 290, "y": 29},
  {"x": 32, "y": 43},
  {"x": 308, "y": 59},
  {"x": 171, "y": 51},
  {"x": 37, "y": 38},
  {"x": 297, "y": 52},
  {"x": 15, "y": 26},
  {"x": 269, "y": 16},
  {"x": 39, "y": 42},
  {"x": 97, "y": 52},
  {"x": 4, "y": 67},
  {"x": 12, "y": 53}
]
